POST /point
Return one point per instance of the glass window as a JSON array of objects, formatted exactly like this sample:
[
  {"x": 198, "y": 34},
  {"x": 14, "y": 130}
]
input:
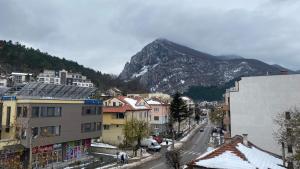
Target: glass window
[
  {"x": 58, "y": 112},
  {"x": 156, "y": 117},
  {"x": 120, "y": 115},
  {"x": 24, "y": 111},
  {"x": 35, "y": 111},
  {"x": 35, "y": 132},
  {"x": 19, "y": 111},
  {"x": 50, "y": 111},
  {"x": 88, "y": 127},
  {"x": 106, "y": 127},
  {"x": 50, "y": 131},
  {"x": 99, "y": 126},
  {"x": 44, "y": 111}
]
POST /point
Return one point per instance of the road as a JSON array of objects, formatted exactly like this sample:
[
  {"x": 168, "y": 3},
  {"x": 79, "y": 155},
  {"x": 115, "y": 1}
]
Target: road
[{"x": 191, "y": 150}]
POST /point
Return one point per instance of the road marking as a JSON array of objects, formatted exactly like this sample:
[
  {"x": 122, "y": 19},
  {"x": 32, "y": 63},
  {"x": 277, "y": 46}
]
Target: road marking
[{"x": 157, "y": 165}]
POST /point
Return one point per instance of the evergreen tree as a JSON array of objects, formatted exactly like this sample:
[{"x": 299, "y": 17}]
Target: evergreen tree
[{"x": 178, "y": 110}]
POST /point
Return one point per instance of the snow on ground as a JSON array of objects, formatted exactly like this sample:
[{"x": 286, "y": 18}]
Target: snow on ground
[{"x": 102, "y": 145}]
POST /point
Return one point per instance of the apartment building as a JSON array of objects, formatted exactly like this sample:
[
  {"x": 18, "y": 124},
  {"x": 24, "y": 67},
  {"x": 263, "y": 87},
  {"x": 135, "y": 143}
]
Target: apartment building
[
  {"x": 50, "y": 130},
  {"x": 49, "y": 76},
  {"x": 65, "y": 78},
  {"x": 117, "y": 111},
  {"x": 253, "y": 104},
  {"x": 21, "y": 78},
  {"x": 159, "y": 116}
]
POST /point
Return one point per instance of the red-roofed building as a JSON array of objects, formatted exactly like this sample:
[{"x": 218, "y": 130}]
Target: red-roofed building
[
  {"x": 238, "y": 153},
  {"x": 117, "y": 111}
]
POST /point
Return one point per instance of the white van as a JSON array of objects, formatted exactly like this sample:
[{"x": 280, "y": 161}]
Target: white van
[{"x": 151, "y": 144}]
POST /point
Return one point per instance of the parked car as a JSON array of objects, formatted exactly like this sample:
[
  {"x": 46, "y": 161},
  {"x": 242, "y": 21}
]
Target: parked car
[
  {"x": 158, "y": 139},
  {"x": 151, "y": 144}
]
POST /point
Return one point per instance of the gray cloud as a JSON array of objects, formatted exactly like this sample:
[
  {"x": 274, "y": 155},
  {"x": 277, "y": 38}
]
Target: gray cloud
[{"x": 105, "y": 34}]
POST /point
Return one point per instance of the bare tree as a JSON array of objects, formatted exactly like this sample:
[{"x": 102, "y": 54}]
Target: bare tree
[
  {"x": 173, "y": 158},
  {"x": 288, "y": 134}
]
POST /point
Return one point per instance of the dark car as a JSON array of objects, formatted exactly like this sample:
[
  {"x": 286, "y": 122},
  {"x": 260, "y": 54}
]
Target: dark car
[{"x": 201, "y": 130}]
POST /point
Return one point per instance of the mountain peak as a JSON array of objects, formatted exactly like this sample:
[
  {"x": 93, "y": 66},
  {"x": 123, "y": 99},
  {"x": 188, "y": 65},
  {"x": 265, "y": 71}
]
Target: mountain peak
[{"x": 166, "y": 66}]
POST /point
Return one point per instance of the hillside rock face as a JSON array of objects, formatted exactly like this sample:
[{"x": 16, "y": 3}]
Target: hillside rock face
[{"x": 167, "y": 67}]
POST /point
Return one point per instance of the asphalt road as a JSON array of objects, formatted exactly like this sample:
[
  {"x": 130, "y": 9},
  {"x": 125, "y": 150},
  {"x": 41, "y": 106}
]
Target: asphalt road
[{"x": 191, "y": 150}]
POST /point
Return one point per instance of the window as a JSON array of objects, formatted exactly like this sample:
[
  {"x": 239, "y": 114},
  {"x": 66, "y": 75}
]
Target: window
[
  {"x": 98, "y": 110},
  {"x": 141, "y": 115},
  {"x": 120, "y": 115},
  {"x": 8, "y": 112},
  {"x": 156, "y": 117},
  {"x": 99, "y": 126},
  {"x": 35, "y": 132},
  {"x": 50, "y": 131},
  {"x": 106, "y": 127},
  {"x": 35, "y": 111},
  {"x": 50, "y": 111},
  {"x": 23, "y": 134},
  {"x": 287, "y": 115},
  {"x": 24, "y": 111},
  {"x": 88, "y": 127},
  {"x": 114, "y": 104},
  {"x": 156, "y": 109},
  {"x": 19, "y": 111},
  {"x": 290, "y": 148},
  {"x": 90, "y": 110}
]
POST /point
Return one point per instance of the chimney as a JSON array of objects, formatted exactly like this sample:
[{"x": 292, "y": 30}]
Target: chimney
[{"x": 245, "y": 139}]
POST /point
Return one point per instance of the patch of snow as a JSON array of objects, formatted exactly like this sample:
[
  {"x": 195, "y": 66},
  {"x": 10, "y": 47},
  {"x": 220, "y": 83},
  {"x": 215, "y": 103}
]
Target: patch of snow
[
  {"x": 237, "y": 69},
  {"x": 133, "y": 102},
  {"x": 153, "y": 102},
  {"x": 142, "y": 72},
  {"x": 225, "y": 160},
  {"x": 259, "y": 159},
  {"x": 102, "y": 145},
  {"x": 165, "y": 79},
  {"x": 182, "y": 81}
]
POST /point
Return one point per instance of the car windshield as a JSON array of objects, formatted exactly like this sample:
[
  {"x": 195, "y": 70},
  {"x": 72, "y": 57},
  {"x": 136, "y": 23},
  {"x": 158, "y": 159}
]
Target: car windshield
[{"x": 155, "y": 143}]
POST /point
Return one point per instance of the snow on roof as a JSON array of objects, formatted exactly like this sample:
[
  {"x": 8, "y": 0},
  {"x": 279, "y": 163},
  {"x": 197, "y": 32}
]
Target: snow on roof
[
  {"x": 133, "y": 103},
  {"x": 153, "y": 102},
  {"x": 225, "y": 160},
  {"x": 237, "y": 155},
  {"x": 22, "y": 74},
  {"x": 185, "y": 98}
]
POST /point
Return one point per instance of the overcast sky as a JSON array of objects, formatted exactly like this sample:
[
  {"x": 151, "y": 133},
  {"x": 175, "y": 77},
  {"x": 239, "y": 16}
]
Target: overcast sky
[{"x": 104, "y": 34}]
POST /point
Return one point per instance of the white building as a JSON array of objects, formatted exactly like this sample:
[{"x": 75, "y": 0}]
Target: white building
[
  {"x": 21, "y": 78},
  {"x": 255, "y": 103},
  {"x": 49, "y": 77},
  {"x": 3, "y": 81}
]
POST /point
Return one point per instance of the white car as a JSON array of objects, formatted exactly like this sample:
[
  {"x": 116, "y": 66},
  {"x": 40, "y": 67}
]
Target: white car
[{"x": 151, "y": 144}]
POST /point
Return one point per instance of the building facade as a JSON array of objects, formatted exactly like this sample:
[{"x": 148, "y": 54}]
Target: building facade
[
  {"x": 51, "y": 130},
  {"x": 255, "y": 102},
  {"x": 116, "y": 112},
  {"x": 159, "y": 116}
]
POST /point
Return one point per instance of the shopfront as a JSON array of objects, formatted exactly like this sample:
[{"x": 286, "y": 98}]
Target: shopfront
[
  {"x": 43, "y": 156},
  {"x": 76, "y": 149},
  {"x": 11, "y": 158}
]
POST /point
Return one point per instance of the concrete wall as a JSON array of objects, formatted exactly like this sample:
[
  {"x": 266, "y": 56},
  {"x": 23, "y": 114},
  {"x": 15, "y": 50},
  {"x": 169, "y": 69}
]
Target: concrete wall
[
  {"x": 114, "y": 135},
  {"x": 259, "y": 99}
]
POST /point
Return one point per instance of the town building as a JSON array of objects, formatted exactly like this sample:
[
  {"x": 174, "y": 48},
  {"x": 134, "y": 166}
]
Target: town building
[
  {"x": 49, "y": 76},
  {"x": 21, "y": 78},
  {"x": 117, "y": 111},
  {"x": 50, "y": 129},
  {"x": 237, "y": 153},
  {"x": 3, "y": 81},
  {"x": 113, "y": 92},
  {"x": 159, "y": 116},
  {"x": 64, "y": 77},
  {"x": 254, "y": 103}
]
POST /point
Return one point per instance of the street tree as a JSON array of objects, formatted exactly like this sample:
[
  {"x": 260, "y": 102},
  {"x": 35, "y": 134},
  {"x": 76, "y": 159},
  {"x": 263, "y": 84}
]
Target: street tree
[
  {"x": 178, "y": 110},
  {"x": 216, "y": 116},
  {"x": 173, "y": 158},
  {"x": 288, "y": 135},
  {"x": 134, "y": 131}
]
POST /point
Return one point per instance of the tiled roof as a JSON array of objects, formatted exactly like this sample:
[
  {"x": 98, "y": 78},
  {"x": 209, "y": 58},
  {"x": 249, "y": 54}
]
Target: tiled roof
[
  {"x": 115, "y": 109},
  {"x": 236, "y": 154}
]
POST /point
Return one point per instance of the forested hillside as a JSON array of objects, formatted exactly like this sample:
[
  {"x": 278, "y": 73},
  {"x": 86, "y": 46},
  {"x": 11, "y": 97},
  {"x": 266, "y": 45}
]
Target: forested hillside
[{"x": 17, "y": 57}]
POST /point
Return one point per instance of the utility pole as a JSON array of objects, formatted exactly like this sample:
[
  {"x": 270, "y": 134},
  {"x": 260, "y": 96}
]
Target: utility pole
[{"x": 30, "y": 152}]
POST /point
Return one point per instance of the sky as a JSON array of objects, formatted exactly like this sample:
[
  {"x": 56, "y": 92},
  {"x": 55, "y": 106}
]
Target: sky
[{"x": 104, "y": 34}]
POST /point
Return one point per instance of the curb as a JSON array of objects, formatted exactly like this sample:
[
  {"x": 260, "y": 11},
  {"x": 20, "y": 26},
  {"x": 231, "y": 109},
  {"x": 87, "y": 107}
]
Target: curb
[{"x": 138, "y": 163}]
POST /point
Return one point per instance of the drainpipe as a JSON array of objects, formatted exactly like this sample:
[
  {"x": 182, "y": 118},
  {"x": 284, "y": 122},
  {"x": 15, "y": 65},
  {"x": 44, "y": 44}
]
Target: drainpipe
[{"x": 283, "y": 153}]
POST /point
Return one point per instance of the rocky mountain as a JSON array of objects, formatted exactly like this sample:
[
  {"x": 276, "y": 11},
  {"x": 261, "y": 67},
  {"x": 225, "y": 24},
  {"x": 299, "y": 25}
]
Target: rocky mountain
[{"x": 167, "y": 66}]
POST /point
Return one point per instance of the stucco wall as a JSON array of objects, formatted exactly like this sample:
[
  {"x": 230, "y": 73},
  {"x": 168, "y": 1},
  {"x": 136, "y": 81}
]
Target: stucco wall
[{"x": 256, "y": 104}]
